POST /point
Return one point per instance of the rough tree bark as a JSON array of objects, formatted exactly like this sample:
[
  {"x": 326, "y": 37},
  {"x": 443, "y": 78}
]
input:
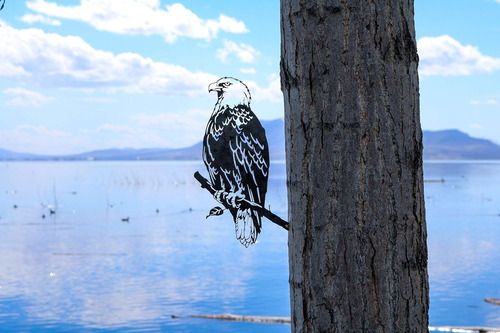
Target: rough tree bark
[{"x": 357, "y": 239}]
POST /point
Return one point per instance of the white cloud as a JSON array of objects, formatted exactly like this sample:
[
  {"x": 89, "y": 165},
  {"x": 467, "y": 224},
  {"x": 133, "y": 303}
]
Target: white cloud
[
  {"x": 173, "y": 121},
  {"x": 50, "y": 60},
  {"x": 148, "y": 131},
  {"x": 31, "y": 18},
  {"x": 40, "y": 139},
  {"x": 166, "y": 130},
  {"x": 476, "y": 126},
  {"x": 183, "y": 128},
  {"x": 141, "y": 17},
  {"x": 445, "y": 56},
  {"x": 116, "y": 128},
  {"x": 244, "y": 53},
  {"x": 271, "y": 94},
  {"x": 99, "y": 100},
  {"x": 23, "y": 97},
  {"x": 487, "y": 102},
  {"x": 248, "y": 70}
]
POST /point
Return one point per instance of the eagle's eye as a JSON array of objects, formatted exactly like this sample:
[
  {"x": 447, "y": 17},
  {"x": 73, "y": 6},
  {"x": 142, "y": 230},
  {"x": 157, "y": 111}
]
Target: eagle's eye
[{"x": 226, "y": 84}]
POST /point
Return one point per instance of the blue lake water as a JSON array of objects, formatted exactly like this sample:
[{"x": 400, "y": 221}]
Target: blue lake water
[{"x": 85, "y": 269}]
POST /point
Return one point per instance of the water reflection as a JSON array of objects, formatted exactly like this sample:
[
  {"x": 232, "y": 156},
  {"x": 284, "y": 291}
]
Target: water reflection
[
  {"x": 464, "y": 252},
  {"x": 84, "y": 266}
]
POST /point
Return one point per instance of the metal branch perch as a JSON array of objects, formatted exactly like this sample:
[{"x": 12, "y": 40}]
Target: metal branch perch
[{"x": 244, "y": 203}]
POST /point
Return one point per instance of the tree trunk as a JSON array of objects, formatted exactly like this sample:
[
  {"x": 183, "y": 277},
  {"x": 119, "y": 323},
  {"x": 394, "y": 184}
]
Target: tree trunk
[{"x": 357, "y": 239}]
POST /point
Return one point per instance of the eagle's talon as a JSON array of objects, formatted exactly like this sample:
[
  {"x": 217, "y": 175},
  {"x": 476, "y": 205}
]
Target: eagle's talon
[
  {"x": 220, "y": 196},
  {"x": 234, "y": 199}
]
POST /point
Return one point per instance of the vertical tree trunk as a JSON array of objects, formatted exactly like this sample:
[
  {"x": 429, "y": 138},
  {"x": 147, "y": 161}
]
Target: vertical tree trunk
[{"x": 357, "y": 240}]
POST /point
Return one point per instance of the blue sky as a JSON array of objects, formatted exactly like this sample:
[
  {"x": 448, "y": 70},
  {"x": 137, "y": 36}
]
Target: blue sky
[{"x": 79, "y": 75}]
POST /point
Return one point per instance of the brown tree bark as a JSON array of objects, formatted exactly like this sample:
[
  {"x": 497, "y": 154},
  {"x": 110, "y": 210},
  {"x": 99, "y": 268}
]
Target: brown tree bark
[{"x": 357, "y": 239}]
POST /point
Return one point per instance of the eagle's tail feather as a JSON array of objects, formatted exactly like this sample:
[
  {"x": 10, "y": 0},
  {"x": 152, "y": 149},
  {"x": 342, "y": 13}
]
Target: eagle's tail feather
[{"x": 247, "y": 226}]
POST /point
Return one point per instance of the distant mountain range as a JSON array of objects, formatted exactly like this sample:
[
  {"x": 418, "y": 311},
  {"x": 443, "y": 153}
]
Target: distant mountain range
[
  {"x": 456, "y": 145},
  {"x": 438, "y": 145}
]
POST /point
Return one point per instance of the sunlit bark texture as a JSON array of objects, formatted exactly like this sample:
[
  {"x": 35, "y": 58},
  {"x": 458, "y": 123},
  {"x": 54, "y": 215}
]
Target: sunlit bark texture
[{"x": 357, "y": 239}]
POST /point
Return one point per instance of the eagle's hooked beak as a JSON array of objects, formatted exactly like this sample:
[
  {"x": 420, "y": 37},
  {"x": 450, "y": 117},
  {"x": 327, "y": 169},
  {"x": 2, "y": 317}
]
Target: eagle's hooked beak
[{"x": 215, "y": 87}]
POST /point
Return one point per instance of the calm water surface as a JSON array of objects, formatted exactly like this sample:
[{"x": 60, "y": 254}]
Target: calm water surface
[
  {"x": 85, "y": 269},
  {"x": 463, "y": 221}
]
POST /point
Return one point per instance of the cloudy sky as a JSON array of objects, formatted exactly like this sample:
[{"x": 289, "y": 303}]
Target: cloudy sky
[{"x": 79, "y": 75}]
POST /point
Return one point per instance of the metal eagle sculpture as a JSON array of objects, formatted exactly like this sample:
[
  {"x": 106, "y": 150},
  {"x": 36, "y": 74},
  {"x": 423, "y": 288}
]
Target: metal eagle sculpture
[{"x": 236, "y": 155}]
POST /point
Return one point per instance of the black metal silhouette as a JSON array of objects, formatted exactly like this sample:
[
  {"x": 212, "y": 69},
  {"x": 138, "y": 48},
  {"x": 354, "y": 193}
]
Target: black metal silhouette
[{"x": 236, "y": 154}]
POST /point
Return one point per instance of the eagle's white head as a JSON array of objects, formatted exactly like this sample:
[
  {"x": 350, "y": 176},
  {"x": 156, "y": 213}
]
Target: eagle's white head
[{"x": 231, "y": 91}]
